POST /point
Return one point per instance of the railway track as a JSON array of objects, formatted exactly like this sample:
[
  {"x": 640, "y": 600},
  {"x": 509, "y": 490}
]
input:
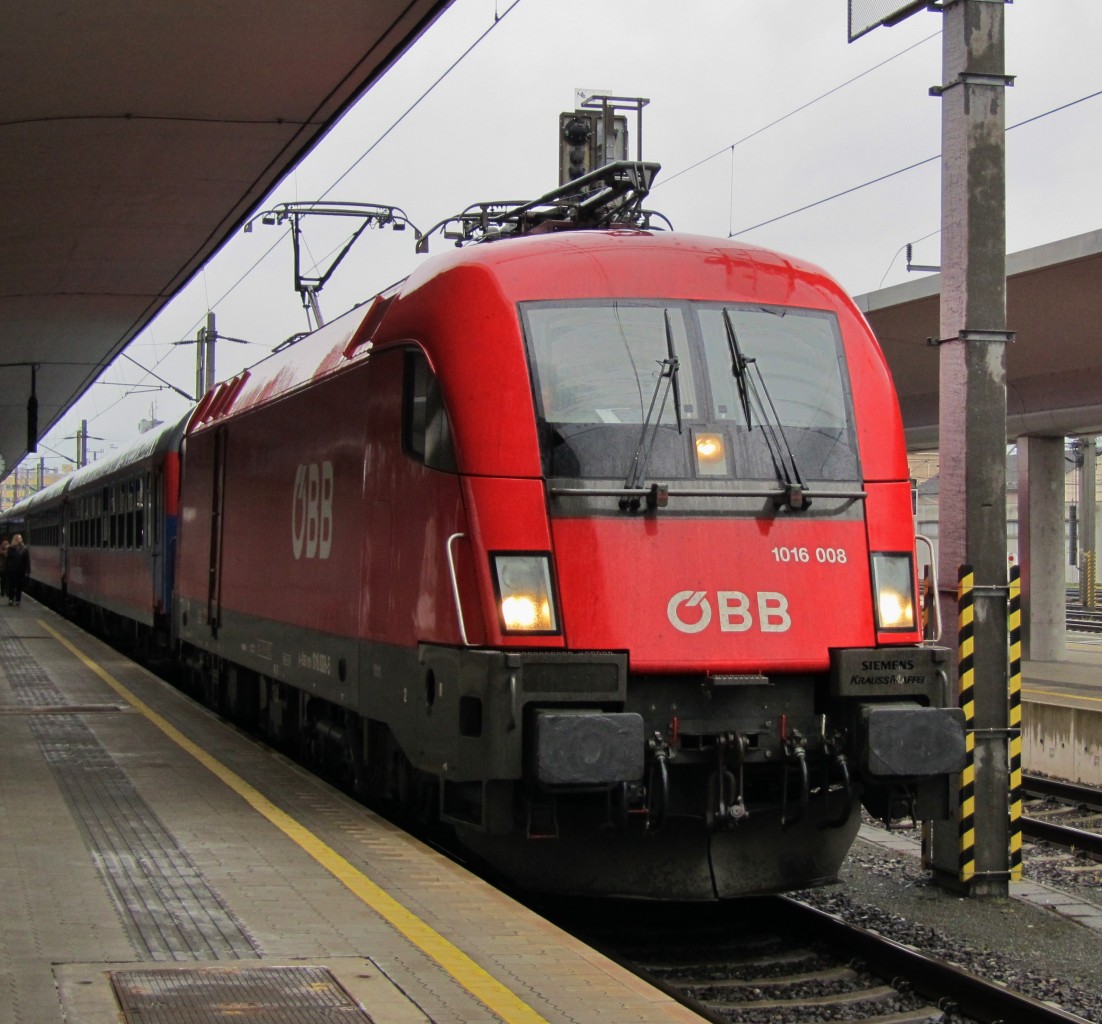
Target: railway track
[
  {"x": 1066, "y": 814},
  {"x": 1083, "y": 620},
  {"x": 779, "y": 960}
]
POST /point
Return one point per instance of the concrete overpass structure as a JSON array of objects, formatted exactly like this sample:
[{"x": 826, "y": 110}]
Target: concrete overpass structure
[
  {"x": 1053, "y": 367},
  {"x": 1054, "y": 390}
]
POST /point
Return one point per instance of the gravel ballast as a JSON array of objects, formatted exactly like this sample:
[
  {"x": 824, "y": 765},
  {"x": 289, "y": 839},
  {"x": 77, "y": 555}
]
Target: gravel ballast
[{"x": 1033, "y": 950}]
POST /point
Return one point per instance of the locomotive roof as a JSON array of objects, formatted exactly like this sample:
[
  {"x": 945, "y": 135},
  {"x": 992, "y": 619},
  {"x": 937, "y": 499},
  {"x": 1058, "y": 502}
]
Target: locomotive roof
[
  {"x": 620, "y": 263},
  {"x": 627, "y": 244}
]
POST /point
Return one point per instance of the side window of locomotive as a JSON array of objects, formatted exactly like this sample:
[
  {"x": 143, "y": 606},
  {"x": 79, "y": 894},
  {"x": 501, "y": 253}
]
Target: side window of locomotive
[{"x": 425, "y": 427}]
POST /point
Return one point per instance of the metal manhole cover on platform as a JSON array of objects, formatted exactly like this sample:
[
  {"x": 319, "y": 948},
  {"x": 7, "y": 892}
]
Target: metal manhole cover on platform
[{"x": 274, "y": 995}]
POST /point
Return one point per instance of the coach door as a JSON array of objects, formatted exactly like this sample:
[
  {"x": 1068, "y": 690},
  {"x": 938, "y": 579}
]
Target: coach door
[
  {"x": 218, "y": 501},
  {"x": 154, "y": 535}
]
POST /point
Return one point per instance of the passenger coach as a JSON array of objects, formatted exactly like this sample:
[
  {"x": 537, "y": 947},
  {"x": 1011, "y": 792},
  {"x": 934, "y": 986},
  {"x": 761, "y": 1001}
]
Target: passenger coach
[{"x": 103, "y": 539}]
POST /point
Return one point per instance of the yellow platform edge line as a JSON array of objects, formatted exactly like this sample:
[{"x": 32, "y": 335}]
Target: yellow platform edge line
[
  {"x": 1059, "y": 693},
  {"x": 499, "y": 999}
]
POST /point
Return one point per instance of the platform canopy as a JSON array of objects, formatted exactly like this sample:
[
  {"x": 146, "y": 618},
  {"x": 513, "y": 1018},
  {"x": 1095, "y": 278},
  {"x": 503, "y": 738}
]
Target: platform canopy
[
  {"x": 1054, "y": 364},
  {"x": 134, "y": 140}
]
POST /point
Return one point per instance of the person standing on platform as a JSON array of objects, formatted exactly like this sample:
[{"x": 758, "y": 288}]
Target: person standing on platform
[
  {"x": 17, "y": 568},
  {"x": 4, "y": 544}
]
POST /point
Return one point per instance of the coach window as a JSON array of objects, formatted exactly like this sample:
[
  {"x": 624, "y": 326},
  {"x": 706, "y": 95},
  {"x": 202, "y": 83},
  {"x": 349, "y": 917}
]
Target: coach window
[
  {"x": 425, "y": 428},
  {"x": 131, "y": 488},
  {"x": 155, "y": 495},
  {"x": 141, "y": 487},
  {"x": 112, "y": 517}
]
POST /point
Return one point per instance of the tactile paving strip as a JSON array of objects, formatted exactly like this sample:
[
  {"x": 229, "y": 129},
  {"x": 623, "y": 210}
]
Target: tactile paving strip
[
  {"x": 272, "y": 995},
  {"x": 166, "y": 905}
]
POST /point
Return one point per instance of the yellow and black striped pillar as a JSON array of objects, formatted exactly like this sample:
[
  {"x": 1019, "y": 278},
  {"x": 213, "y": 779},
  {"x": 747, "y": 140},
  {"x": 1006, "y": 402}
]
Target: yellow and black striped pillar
[
  {"x": 966, "y": 679},
  {"x": 1014, "y": 617}
]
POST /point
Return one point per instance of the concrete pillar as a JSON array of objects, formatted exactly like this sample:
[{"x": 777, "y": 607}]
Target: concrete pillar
[
  {"x": 1088, "y": 546},
  {"x": 1041, "y": 547}
]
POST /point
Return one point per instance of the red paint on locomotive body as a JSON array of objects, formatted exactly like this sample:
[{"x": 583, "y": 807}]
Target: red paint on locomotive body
[
  {"x": 712, "y": 595},
  {"x": 617, "y": 575},
  {"x": 323, "y": 520},
  {"x": 384, "y": 576}
]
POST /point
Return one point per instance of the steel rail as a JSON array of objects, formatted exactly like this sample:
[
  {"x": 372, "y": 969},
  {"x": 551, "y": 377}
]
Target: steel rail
[
  {"x": 1072, "y": 792},
  {"x": 1063, "y": 835},
  {"x": 940, "y": 982}
]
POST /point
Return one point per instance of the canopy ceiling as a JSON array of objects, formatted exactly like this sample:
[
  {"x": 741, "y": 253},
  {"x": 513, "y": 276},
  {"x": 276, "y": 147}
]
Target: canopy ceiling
[{"x": 134, "y": 139}]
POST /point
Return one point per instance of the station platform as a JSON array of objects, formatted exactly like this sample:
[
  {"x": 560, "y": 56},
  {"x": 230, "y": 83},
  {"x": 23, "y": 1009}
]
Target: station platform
[
  {"x": 1075, "y": 681},
  {"x": 1062, "y": 713},
  {"x": 157, "y": 865}
]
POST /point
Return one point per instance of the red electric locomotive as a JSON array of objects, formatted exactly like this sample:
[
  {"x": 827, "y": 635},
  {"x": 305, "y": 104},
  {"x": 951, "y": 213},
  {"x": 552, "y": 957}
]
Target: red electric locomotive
[{"x": 597, "y": 543}]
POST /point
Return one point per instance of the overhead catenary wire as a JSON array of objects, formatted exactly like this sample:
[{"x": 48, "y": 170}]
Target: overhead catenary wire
[
  {"x": 904, "y": 170},
  {"x": 792, "y": 113},
  {"x": 498, "y": 19},
  {"x": 898, "y": 252}
]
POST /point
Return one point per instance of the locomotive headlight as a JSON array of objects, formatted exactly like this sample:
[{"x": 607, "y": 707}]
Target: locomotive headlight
[
  {"x": 525, "y": 598},
  {"x": 711, "y": 454},
  {"x": 893, "y": 590}
]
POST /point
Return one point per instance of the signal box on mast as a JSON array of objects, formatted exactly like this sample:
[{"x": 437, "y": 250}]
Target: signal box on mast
[{"x": 594, "y": 134}]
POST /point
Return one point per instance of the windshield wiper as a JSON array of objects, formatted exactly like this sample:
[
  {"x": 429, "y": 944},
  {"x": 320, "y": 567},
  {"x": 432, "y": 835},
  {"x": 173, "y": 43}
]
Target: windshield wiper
[
  {"x": 675, "y": 370},
  {"x": 794, "y": 495},
  {"x": 738, "y": 367},
  {"x": 668, "y": 376}
]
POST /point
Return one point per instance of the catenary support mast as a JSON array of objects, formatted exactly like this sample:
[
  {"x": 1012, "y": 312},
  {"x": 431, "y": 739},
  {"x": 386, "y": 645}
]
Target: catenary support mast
[{"x": 972, "y": 529}]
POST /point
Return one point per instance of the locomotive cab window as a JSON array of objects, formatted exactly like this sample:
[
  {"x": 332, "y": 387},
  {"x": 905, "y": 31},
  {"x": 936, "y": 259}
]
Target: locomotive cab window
[
  {"x": 426, "y": 430},
  {"x": 703, "y": 391}
]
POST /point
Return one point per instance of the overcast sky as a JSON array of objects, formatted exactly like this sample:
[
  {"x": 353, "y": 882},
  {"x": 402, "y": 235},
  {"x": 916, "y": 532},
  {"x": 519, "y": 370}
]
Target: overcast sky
[{"x": 715, "y": 72}]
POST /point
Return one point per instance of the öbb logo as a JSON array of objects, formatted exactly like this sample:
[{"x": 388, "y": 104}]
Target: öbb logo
[
  {"x": 312, "y": 510},
  {"x": 734, "y": 611}
]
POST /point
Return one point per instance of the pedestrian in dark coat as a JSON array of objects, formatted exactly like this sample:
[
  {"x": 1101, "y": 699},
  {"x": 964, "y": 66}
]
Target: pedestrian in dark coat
[
  {"x": 17, "y": 568},
  {"x": 4, "y": 545}
]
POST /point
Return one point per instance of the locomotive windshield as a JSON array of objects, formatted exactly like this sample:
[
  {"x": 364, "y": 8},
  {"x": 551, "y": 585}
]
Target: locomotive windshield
[{"x": 596, "y": 367}]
